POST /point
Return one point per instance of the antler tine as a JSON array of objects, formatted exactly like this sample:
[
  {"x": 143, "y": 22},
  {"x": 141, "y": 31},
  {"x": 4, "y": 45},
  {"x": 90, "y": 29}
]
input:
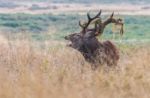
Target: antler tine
[
  {"x": 122, "y": 30},
  {"x": 111, "y": 16},
  {"x": 86, "y": 25},
  {"x": 81, "y": 24},
  {"x": 83, "y": 27},
  {"x": 98, "y": 14},
  {"x": 88, "y": 15},
  {"x": 89, "y": 21}
]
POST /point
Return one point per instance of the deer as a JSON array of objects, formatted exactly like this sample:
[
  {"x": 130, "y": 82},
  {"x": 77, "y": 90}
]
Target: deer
[{"x": 95, "y": 52}]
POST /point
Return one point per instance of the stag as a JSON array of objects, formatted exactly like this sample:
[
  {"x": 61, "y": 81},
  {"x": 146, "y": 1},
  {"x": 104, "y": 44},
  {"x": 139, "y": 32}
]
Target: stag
[{"x": 91, "y": 48}]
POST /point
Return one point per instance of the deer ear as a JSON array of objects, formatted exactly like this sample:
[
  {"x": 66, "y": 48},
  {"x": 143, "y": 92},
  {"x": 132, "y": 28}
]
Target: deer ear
[{"x": 112, "y": 15}]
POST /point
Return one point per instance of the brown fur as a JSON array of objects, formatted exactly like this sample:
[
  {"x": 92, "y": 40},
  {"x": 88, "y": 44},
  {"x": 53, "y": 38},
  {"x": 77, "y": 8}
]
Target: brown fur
[
  {"x": 95, "y": 52},
  {"x": 107, "y": 54}
]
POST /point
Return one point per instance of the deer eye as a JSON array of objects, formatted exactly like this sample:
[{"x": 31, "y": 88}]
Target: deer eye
[{"x": 119, "y": 20}]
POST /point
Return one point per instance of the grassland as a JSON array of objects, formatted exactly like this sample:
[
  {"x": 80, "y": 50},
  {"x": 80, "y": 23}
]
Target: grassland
[
  {"x": 35, "y": 62},
  {"x": 48, "y": 69},
  {"x": 50, "y": 26}
]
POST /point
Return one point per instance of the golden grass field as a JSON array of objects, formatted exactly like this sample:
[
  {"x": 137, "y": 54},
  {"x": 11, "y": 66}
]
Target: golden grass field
[{"x": 48, "y": 69}]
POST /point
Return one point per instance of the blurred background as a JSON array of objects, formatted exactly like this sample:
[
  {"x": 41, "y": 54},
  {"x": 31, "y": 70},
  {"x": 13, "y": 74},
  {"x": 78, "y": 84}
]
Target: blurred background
[{"x": 53, "y": 19}]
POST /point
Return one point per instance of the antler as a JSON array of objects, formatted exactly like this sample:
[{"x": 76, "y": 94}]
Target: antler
[
  {"x": 122, "y": 30},
  {"x": 113, "y": 20},
  {"x": 84, "y": 26},
  {"x": 120, "y": 22}
]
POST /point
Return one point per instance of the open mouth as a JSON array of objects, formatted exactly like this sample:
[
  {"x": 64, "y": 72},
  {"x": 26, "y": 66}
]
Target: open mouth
[{"x": 69, "y": 43}]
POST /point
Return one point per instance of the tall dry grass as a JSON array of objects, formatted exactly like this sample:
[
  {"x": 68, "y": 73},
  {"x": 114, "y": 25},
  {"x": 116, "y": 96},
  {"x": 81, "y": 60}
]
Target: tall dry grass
[{"x": 51, "y": 70}]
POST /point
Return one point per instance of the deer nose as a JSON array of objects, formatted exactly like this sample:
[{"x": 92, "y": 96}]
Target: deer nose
[{"x": 66, "y": 37}]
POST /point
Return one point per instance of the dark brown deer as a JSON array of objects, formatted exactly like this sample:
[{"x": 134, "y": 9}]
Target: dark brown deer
[{"x": 86, "y": 42}]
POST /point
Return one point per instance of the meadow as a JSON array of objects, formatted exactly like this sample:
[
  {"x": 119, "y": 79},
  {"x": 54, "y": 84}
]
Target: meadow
[
  {"x": 35, "y": 62},
  {"x": 49, "y": 69},
  {"x": 51, "y": 26}
]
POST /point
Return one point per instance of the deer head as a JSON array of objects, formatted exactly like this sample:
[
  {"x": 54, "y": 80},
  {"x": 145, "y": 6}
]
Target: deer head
[
  {"x": 86, "y": 41},
  {"x": 98, "y": 29}
]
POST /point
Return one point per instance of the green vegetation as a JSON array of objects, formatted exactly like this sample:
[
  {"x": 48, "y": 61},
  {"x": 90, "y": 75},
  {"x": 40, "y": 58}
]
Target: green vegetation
[
  {"x": 136, "y": 27},
  {"x": 37, "y": 7}
]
